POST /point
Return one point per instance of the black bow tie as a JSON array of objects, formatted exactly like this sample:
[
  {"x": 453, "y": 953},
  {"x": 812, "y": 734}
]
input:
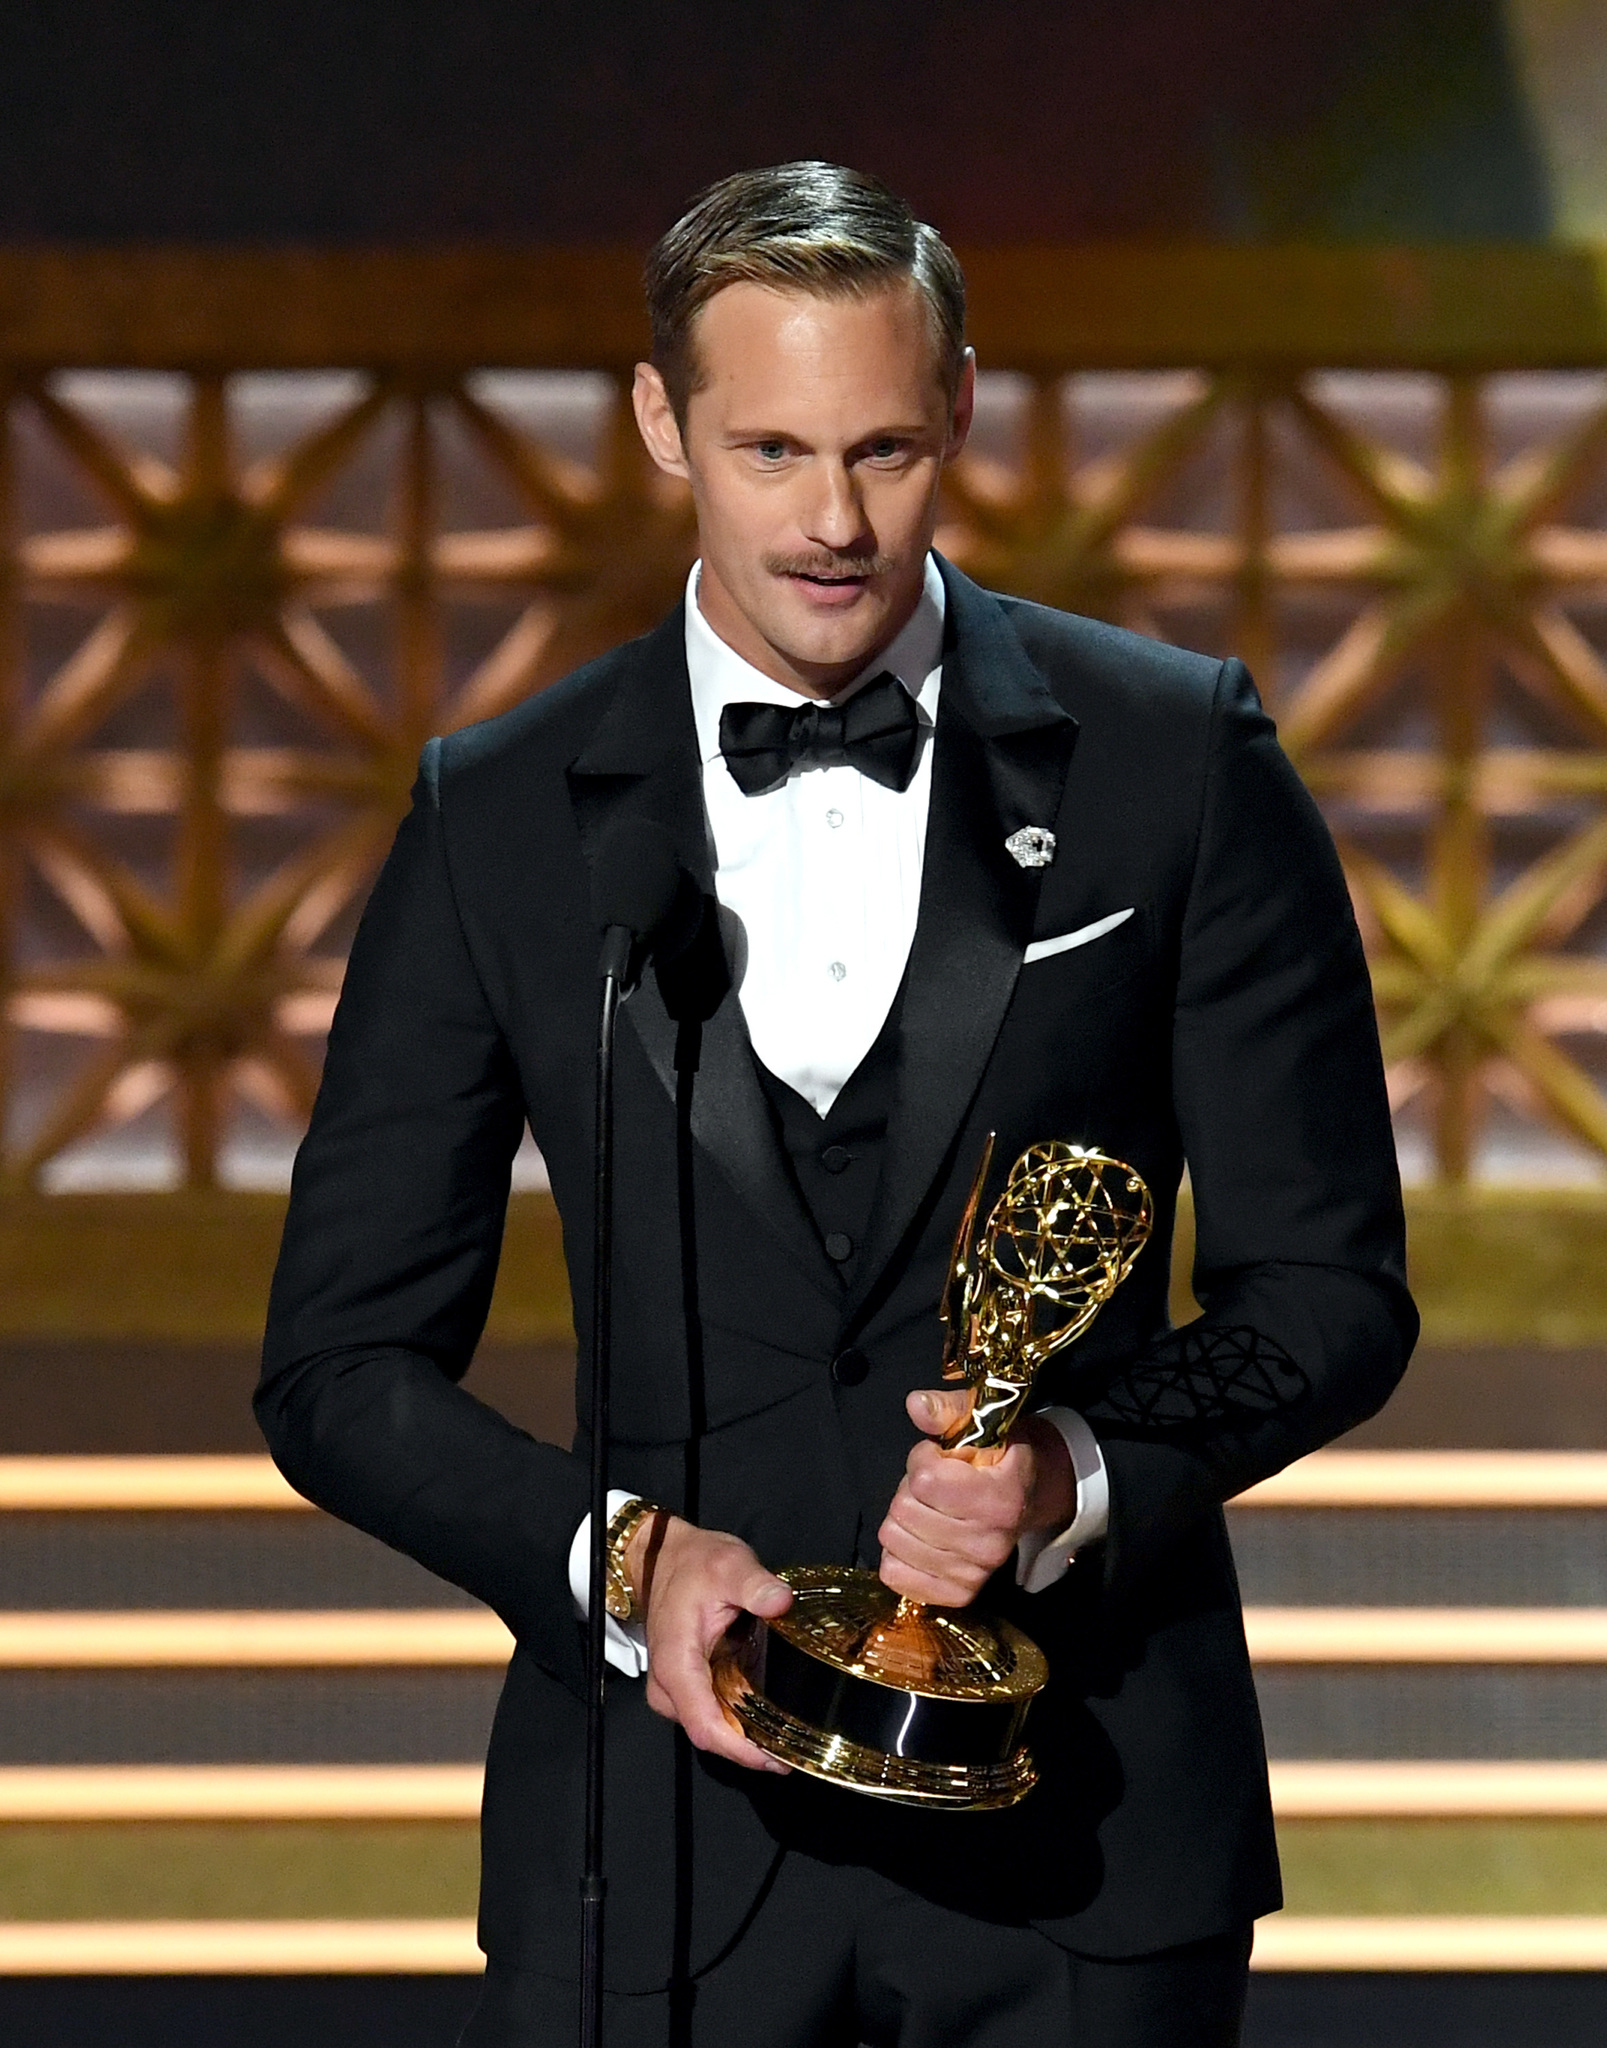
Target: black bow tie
[{"x": 877, "y": 731}]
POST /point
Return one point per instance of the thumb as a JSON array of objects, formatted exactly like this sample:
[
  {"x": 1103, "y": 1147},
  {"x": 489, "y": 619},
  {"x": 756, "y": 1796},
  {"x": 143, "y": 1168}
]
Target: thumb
[
  {"x": 935, "y": 1409},
  {"x": 767, "y": 1596}
]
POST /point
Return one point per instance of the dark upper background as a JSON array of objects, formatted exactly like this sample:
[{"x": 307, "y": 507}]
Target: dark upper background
[{"x": 562, "y": 120}]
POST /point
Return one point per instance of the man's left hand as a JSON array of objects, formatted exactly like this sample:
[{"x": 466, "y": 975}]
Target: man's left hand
[{"x": 952, "y": 1524}]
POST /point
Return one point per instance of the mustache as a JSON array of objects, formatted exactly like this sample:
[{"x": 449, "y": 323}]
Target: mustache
[{"x": 825, "y": 564}]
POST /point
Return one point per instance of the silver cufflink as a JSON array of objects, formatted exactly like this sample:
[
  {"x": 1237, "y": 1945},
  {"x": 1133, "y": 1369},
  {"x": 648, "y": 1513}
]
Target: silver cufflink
[{"x": 1032, "y": 847}]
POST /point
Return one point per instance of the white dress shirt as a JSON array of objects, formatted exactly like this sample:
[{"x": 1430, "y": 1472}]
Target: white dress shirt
[
  {"x": 823, "y": 873},
  {"x": 823, "y": 876}
]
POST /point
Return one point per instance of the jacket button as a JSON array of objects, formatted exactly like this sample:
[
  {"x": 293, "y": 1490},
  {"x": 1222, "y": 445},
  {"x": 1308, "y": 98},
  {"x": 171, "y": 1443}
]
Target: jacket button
[
  {"x": 839, "y": 1246},
  {"x": 849, "y": 1367}
]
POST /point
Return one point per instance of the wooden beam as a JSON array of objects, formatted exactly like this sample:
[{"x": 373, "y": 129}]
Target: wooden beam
[
  {"x": 216, "y": 1639},
  {"x": 1472, "y": 1941},
  {"x": 195, "y": 1267},
  {"x": 236, "y": 1948},
  {"x": 433, "y": 309},
  {"x": 1436, "y": 1479},
  {"x": 419, "y": 309},
  {"x": 1326, "y": 1479},
  {"x": 1426, "y": 1635},
  {"x": 76, "y": 1485},
  {"x": 1330, "y": 1790},
  {"x": 122, "y": 1948},
  {"x": 244, "y": 1792},
  {"x": 1509, "y": 1265},
  {"x": 1320, "y": 1790},
  {"x": 334, "y": 1639},
  {"x": 1490, "y": 1266}
]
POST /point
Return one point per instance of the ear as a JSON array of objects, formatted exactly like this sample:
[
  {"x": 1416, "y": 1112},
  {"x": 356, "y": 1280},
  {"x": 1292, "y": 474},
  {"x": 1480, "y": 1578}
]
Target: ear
[
  {"x": 964, "y": 407},
  {"x": 655, "y": 421}
]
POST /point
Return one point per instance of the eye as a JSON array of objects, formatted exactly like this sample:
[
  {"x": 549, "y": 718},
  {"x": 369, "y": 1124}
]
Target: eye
[
  {"x": 770, "y": 451},
  {"x": 885, "y": 448}
]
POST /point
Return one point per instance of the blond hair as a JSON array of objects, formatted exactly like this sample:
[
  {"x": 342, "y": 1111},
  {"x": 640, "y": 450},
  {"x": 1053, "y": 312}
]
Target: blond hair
[{"x": 808, "y": 227}]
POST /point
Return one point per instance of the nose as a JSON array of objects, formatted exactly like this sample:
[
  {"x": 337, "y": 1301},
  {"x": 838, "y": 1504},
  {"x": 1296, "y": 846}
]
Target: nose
[{"x": 836, "y": 519}]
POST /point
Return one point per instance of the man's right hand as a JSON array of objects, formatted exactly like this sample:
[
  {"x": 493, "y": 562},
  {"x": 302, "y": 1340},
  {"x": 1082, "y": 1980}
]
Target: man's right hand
[{"x": 692, "y": 1585}]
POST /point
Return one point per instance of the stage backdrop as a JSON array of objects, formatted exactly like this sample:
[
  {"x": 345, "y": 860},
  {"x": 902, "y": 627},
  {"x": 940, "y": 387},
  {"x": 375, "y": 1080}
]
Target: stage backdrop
[
  {"x": 313, "y": 331},
  {"x": 314, "y": 325}
]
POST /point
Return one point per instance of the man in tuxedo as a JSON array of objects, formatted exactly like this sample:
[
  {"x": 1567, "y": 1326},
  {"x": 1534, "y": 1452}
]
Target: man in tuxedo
[{"x": 970, "y": 865}]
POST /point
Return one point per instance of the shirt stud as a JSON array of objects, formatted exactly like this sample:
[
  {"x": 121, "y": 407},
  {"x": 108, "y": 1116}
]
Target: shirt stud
[{"x": 1032, "y": 847}]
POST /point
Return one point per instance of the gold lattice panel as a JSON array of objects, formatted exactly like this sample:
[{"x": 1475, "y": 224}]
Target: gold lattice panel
[
  {"x": 234, "y": 608},
  {"x": 1416, "y": 569},
  {"x": 233, "y": 617}
]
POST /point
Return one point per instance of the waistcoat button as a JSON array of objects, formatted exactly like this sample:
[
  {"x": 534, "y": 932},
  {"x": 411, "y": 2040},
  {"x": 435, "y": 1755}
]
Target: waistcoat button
[
  {"x": 836, "y": 1159},
  {"x": 839, "y": 1246},
  {"x": 849, "y": 1367}
]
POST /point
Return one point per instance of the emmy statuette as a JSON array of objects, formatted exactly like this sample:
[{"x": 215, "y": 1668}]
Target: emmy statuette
[{"x": 926, "y": 1705}]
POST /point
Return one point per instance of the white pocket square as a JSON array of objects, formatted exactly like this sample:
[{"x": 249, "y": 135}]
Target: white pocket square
[{"x": 1044, "y": 949}]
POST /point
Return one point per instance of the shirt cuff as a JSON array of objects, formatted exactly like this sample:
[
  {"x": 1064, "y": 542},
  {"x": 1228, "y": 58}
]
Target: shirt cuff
[
  {"x": 1042, "y": 1561},
  {"x": 624, "y": 1642}
]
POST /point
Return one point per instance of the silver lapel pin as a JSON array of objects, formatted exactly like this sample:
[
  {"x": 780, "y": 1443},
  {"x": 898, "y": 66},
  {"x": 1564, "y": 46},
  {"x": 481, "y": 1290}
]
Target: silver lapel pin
[{"x": 1032, "y": 847}]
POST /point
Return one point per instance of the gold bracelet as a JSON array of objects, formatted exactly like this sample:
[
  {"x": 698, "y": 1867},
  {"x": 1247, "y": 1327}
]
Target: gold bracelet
[{"x": 620, "y": 1594}]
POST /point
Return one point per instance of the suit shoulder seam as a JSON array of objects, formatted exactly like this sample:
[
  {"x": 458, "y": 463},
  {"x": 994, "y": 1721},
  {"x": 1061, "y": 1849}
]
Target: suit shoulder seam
[
  {"x": 1207, "y": 774},
  {"x": 453, "y": 896}
]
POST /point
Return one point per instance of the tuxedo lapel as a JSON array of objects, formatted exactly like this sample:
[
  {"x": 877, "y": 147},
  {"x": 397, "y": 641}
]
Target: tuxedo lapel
[
  {"x": 642, "y": 762},
  {"x": 1001, "y": 751},
  {"x": 641, "y": 759},
  {"x": 732, "y": 1123}
]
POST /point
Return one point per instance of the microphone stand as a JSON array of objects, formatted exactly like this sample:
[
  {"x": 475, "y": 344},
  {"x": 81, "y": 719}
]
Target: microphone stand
[{"x": 613, "y": 968}]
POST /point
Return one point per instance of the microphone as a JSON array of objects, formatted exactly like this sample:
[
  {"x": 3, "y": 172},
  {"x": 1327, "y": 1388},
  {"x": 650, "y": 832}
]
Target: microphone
[{"x": 642, "y": 898}]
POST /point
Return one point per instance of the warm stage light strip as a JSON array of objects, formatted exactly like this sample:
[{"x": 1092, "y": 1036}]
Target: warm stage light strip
[
  {"x": 136, "y": 1792},
  {"x": 296, "y": 1637},
  {"x": 1301, "y": 1790},
  {"x": 1424, "y": 1790},
  {"x": 1427, "y": 1635},
  {"x": 251, "y": 1948},
  {"x": 333, "y": 1639},
  {"x": 119, "y": 1948},
  {"x": 1473, "y": 1941},
  {"x": 75, "y": 1484},
  {"x": 1436, "y": 1479},
  {"x": 1327, "y": 1479}
]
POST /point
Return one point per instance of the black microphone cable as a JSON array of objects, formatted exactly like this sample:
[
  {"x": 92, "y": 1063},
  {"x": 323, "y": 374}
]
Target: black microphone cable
[{"x": 646, "y": 903}]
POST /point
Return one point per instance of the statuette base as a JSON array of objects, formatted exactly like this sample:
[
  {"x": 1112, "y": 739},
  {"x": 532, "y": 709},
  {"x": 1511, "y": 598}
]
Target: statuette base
[{"x": 921, "y": 1705}]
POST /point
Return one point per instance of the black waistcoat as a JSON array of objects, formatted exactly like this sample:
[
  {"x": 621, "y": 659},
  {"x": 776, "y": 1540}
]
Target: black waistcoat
[{"x": 837, "y": 1158}]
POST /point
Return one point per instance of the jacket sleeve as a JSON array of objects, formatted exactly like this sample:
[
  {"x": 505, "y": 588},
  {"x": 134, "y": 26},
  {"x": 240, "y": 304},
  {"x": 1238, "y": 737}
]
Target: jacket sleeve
[
  {"x": 1279, "y": 1092},
  {"x": 389, "y": 1257}
]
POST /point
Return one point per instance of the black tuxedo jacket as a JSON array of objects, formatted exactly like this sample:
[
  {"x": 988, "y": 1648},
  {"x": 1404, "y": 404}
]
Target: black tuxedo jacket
[{"x": 1228, "y": 1023}]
